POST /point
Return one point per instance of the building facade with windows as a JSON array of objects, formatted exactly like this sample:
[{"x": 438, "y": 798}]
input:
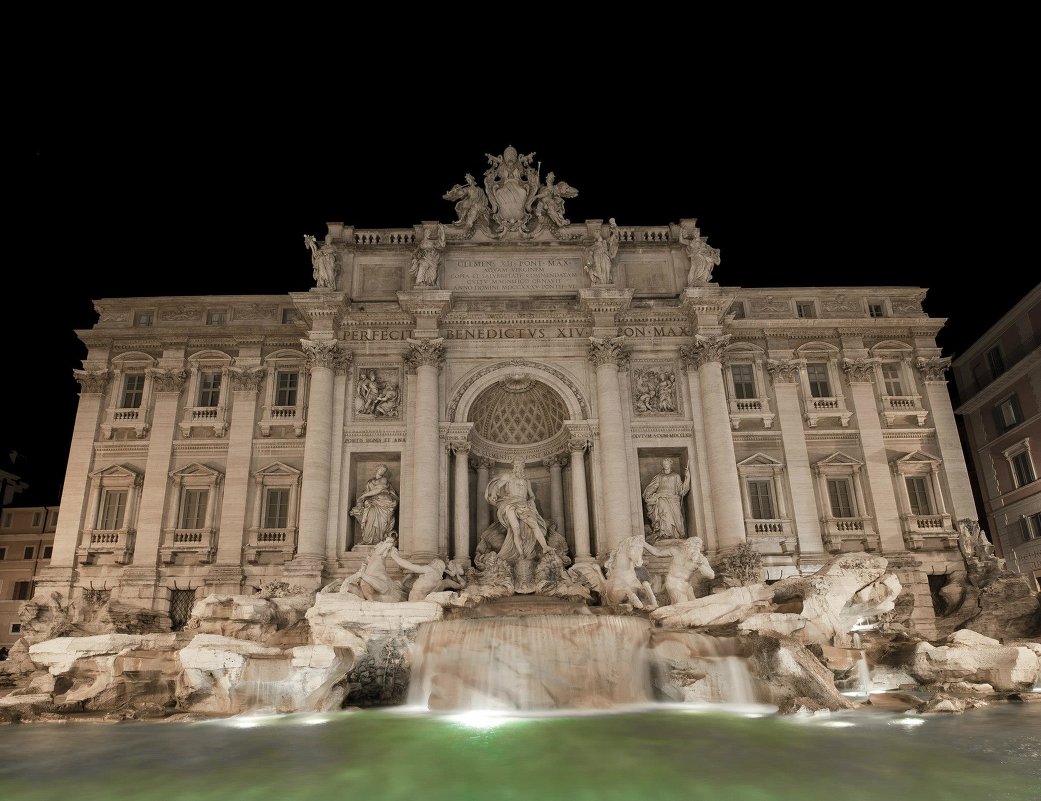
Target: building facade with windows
[
  {"x": 999, "y": 382},
  {"x": 26, "y": 543},
  {"x": 223, "y": 442}
]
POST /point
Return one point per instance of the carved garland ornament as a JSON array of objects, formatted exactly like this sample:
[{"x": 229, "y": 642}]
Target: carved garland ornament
[
  {"x": 704, "y": 350},
  {"x": 517, "y": 363},
  {"x": 92, "y": 381},
  {"x": 608, "y": 350},
  {"x": 326, "y": 353},
  {"x": 859, "y": 371},
  {"x": 248, "y": 378},
  {"x": 425, "y": 353},
  {"x": 167, "y": 380},
  {"x": 933, "y": 369},
  {"x": 784, "y": 371}
]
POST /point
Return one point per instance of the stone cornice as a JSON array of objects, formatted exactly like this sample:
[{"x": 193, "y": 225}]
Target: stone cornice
[{"x": 1002, "y": 383}]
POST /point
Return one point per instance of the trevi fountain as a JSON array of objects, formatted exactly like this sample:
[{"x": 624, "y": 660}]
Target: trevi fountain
[{"x": 722, "y": 600}]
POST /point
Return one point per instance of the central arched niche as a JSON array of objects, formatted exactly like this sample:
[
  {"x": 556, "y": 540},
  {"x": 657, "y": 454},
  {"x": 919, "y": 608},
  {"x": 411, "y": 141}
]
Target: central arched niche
[{"x": 518, "y": 410}]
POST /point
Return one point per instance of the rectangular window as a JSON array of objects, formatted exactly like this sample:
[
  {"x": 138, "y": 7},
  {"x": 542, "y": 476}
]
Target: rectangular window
[
  {"x": 817, "y": 374},
  {"x": 805, "y": 309},
  {"x": 891, "y": 378},
  {"x": 3, "y": 554},
  {"x": 1032, "y": 526},
  {"x": 876, "y": 310},
  {"x": 47, "y": 551},
  {"x": 918, "y": 495},
  {"x": 23, "y": 591},
  {"x": 286, "y": 382},
  {"x": 276, "y": 508},
  {"x": 193, "y": 508},
  {"x": 216, "y": 317},
  {"x": 29, "y": 552},
  {"x": 996, "y": 362},
  {"x": 1007, "y": 414},
  {"x": 1023, "y": 469},
  {"x": 760, "y": 500},
  {"x": 288, "y": 316},
  {"x": 36, "y": 519},
  {"x": 16, "y": 628},
  {"x": 7, "y": 520},
  {"x": 737, "y": 308},
  {"x": 133, "y": 390},
  {"x": 744, "y": 381},
  {"x": 113, "y": 507},
  {"x": 144, "y": 318},
  {"x": 840, "y": 497},
  {"x": 209, "y": 388}
]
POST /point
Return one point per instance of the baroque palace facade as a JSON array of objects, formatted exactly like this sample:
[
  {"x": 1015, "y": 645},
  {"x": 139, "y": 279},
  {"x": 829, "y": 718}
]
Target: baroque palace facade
[{"x": 225, "y": 442}]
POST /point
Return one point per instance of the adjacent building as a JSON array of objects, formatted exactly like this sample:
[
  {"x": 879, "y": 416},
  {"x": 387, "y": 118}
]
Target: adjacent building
[
  {"x": 26, "y": 542},
  {"x": 999, "y": 382},
  {"x": 222, "y": 442}
]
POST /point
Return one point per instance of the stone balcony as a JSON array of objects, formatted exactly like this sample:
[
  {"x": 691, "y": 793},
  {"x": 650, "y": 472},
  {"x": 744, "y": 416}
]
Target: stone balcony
[
  {"x": 898, "y": 407},
  {"x": 929, "y": 532},
  {"x": 214, "y": 417},
  {"x": 290, "y": 416},
  {"x": 106, "y": 547},
  {"x": 771, "y": 536},
  {"x": 180, "y": 545},
  {"x": 266, "y": 545},
  {"x": 816, "y": 409},
  {"x": 849, "y": 534},
  {"x": 750, "y": 409},
  {"x": 136, "y": 419}
]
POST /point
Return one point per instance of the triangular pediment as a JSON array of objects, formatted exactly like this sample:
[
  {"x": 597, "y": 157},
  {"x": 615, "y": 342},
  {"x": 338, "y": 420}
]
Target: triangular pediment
[
  {"x": 276, "y": 469},
  {"x": 195, "y": 469},
  {"x": 116, "y": 471},
  {"x": 760, "y": 460},
  {"x": 918, "y": 457},
  {"x": 839, "y": 460}
]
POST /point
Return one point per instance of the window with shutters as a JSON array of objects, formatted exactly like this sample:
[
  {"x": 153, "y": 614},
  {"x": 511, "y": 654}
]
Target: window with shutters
[
  {"x": 892, "y": 379},
  {"x": 1008, "y": 414},
  {"x": 209, "y": 389},
  {"x": 744, "y": 381},
  {"x": 193, "y": 508},
  {"x": 841, "y": 498},
  {"x": 286, "y": 382},
  {"x": 817, "y": 375},
  {"x": 1023, "y": 468},
  {"x": 133, "y": 391},
  {"x": 995, "y": 361},
  {"x": 113, "y": 510},
  {"x": 918, "y": 495},
  {"x": 760, "y": 500},
  {"x": 276, "y": 507}
]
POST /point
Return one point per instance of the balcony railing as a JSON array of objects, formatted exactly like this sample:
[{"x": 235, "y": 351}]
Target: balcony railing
[
  {"x": 214, "y": 417},
  {"x": 823, "y": 408},
  {"x": 282, "y": 416},
  {"x": 849, "y": 534},
  {"x": 895, "y": 407},
  {"x": 125, "y": 418},
  {"x": 774, "y": 536},
  {"x": 110, "y": 545},
  {"x": 200, "y": 544},
  {"x": 929, "y": 532},
  {"x": 271, "y": 541},
  {"x": 750, "y": 409}
]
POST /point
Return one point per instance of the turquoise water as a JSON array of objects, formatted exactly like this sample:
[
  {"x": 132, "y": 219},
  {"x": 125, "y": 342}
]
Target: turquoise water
[{"x": 647, "y": 755}]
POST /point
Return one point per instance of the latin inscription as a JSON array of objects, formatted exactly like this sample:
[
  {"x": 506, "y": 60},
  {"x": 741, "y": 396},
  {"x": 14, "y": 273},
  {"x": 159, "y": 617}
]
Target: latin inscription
[
  {"x": 518, "y": 275},
  {"x": 518, "y": 332}
]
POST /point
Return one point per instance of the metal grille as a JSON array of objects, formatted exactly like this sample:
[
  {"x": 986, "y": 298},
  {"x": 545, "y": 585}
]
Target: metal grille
[
  {"x": 181, "y": 602},
  {"x": 95, "y": 599}
]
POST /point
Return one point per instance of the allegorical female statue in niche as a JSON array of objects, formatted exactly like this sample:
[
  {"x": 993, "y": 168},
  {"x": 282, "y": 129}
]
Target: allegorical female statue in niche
[
  {"x": 426, "y": 259},
  {"x": 598, "y": 264},
  {"x": 374, "y": 508},
  {"x": 664, "y": 499}
]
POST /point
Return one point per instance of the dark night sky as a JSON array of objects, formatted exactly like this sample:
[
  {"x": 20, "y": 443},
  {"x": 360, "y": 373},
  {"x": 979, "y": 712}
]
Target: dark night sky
[{"x": 883, "y": 185}]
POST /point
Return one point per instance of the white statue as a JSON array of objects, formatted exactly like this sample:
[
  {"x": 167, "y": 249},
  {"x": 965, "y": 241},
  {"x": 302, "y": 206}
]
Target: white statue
[
  {"x": 472, "y": 206},
  {"x": 323, "y": 261},
  {"x": 664, "y": 498},
  {"x": 687, "y": 557},
  {"x": 624, "y": 580},
  {"x": 430, "y": 578},
  {"x": 549, "y": 201},
  {"x": 376, "y": 396},
  {"x": 655, "y": 392},
  {"x": 598, "y": 264},
  {"x": 511, "y": 183},
  {"x": 372, "y": 582},
  {"x": 514, "y": 502},
  {"x": 374, "y": 508},
  {"x": 702, "y": 257},
  {"x": 426, "y": 259}
]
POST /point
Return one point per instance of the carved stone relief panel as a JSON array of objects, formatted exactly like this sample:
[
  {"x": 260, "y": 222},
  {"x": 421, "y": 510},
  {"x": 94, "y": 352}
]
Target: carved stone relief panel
[
  {"x": 654, "y": 390},
  {"x": 378, "y": 392}
]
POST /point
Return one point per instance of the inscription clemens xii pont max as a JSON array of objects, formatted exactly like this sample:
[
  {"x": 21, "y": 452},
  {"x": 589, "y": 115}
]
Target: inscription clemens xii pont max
[{"x": 527, "y": 274}]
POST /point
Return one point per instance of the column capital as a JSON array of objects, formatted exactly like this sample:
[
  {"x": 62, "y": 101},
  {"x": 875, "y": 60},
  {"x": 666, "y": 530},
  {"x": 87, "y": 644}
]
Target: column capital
[
  {"x": 92, "y": 381},
  {"x": 557, "y": 460},
  {"x": 608, "y": 350},
  {"x": 425, "y": 353},
  {"x": 933, "y": 369},
  {"x": 578, "y": 443},
  {"x": 328, "y": 353},
  {"x": 704, "y": 349},
  {"x": 859, "y": 371},
  {"x": 246, "y": 378},
  {"x": 167, "y": 380},
  {"x": 459, "y": 447},
  {"x": 784, "y": 371}
]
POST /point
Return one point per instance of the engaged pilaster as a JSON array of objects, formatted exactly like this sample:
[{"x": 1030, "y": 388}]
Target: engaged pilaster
[{"x": 933, "y": 372}]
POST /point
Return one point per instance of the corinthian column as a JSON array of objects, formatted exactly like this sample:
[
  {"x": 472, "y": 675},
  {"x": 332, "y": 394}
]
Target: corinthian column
[
  {"x": 579, "y": 501},
  {"x": 461, "y": 522},
  {"x": 323, "y": 358},
  {"x": 556, "y": 491},
  {"x": 426, "y": 356},
  {"x": 482, "y": 502},
  {"x": 608, "y": 355},
  {"x": 706, "y": 356}
]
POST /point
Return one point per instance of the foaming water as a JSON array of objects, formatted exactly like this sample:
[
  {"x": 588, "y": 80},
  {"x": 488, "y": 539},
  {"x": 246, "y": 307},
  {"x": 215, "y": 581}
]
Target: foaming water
[{"x": 539, "y": 662}]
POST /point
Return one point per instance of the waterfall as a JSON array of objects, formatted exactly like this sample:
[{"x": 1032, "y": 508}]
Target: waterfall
[
  {"x": 718, "y": 664},
  {"x": 530, "y": 663}
]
